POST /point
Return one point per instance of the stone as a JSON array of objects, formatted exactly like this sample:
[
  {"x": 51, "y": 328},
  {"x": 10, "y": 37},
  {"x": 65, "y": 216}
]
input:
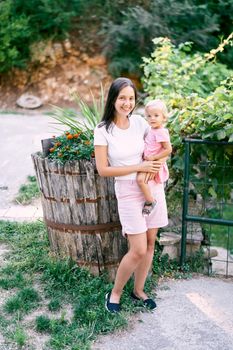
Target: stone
[
  {"x": 67, "y": 45},
  {"x": 96, "y": 61},
  {"x": 210, "y": 253},
  {"x": 29, "y": 101},
  {"x": 170, "y": 242}
]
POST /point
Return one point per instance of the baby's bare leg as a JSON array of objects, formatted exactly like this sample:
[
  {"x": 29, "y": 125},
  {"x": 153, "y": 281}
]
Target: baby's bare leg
[{"x": 144, "y": 187}]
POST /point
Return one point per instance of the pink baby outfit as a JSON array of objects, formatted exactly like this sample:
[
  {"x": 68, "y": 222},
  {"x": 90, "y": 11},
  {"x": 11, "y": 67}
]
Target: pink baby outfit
[{"x": 153, "y": 146}]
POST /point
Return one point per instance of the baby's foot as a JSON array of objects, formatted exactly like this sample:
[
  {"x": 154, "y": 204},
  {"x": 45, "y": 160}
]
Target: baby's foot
[{"x": 148, "y": 208}]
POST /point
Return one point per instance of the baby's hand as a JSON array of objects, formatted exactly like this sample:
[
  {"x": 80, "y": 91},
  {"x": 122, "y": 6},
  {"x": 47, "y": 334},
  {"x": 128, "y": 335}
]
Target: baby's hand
[{"x": 149, "y": 158}]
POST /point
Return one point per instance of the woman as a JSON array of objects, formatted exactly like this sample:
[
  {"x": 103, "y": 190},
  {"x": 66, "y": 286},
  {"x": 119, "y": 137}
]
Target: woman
[{"x": 119, "y": 145}]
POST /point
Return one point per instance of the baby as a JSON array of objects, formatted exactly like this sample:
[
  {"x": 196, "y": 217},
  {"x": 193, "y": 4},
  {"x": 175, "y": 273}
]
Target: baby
[{"x": 157, "y": 146}]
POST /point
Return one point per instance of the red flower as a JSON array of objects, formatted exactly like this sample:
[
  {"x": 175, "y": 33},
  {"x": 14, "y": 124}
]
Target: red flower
[{"x": 69, "y": 137}]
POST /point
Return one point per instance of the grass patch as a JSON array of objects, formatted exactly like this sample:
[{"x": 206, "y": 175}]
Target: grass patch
[
  {"x": 13, "y": 281},
  {"x": 7, "y": 112},
  {"x": 43, "y": 324},
  {"x": 28, "y": 191},
  {"x": 54, "y": 305},
  {"x": 19, "y": 336},
  {"x": 25, "y": 300},
  {"x": 61, "y": 283}
]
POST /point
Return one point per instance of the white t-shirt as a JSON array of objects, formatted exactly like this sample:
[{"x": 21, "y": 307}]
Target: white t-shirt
[{"x": 125, "y": 147}]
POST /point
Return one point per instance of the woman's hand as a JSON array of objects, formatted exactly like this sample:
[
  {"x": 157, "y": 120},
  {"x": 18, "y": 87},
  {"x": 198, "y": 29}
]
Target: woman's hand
[{"x": 150, "y": 166}]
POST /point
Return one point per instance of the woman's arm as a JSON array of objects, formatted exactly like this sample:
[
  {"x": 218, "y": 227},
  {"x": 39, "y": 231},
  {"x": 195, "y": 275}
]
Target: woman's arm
[
  {"x": 167, "y": 150},
  {"x": 104, "y": 169}
]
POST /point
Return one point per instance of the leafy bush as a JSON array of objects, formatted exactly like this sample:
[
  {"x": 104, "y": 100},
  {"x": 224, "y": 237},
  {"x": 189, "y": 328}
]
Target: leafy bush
[
  {"x": 24, "y": 22},
  {"x": 130, "y": 38},
  {"x": 47, "y": 18},
  {"x": 201, "y": 107},
  {"x": 13, "y": 31},
  {"x": 173, "y": 72},
  {"x": 126, "y": 41}
]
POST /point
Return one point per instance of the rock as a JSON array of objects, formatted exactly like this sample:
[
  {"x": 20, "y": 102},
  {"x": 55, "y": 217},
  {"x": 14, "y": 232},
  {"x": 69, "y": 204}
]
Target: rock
[
  {"x": 170, "y": 242},
  {"x": 96, "y": 61},
  {"x": 210, "y": 253},
  {"x": 58, "y": 51},
  {"x": 51, "y": 83},
  {"x": 29, "y": 101},
  {"x": 67, "y": 45}
]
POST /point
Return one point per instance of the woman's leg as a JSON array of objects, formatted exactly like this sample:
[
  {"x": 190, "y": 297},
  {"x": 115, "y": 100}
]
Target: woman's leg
[
  {"x": 136, "y": 254},
  {"x": 143, "y": 268}
]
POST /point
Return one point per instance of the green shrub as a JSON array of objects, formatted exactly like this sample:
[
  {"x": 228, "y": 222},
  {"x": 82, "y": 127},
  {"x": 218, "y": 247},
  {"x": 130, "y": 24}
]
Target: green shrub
[
  {"x": 130, "y": 38},
  {"x": 201, "y": 107},
  {"x": 172, "y": 72},
  {"x": 14, "y": 30},
  {"x": 47, "y": 18},
  {"x": 24, "y": 22}
]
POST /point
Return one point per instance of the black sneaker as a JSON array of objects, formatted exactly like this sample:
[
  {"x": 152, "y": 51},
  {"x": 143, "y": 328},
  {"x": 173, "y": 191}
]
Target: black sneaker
[
  {"x": 111, "y": 307},
  {"x": 149, "y": 303}
]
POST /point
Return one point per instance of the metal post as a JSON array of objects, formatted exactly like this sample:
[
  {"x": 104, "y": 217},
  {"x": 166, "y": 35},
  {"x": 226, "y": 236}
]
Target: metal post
[{"x": 185, "y": 203}]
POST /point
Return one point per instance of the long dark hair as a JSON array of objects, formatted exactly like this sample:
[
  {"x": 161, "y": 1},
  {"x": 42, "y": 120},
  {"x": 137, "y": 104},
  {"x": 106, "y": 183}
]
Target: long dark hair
[{"x": 114, "y": 90}]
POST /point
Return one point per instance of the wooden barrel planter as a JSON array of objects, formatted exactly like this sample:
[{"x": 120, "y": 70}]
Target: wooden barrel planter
[{"x": 80, "y": 212}]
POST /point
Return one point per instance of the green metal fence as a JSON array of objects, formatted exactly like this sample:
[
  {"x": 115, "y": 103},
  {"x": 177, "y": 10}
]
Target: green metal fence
[{"x": 208, "y": 204}]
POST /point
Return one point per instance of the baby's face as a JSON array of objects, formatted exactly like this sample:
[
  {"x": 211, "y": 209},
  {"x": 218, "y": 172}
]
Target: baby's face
[{"x": 155, "y": 117}]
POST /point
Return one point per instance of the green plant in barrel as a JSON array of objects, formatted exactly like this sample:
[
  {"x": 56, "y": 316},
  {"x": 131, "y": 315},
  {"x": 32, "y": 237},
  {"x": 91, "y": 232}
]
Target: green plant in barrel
[{"x": 77, "y": 142}]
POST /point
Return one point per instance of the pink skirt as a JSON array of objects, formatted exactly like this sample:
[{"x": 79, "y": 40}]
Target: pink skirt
[{"x": 130, "y": 203}]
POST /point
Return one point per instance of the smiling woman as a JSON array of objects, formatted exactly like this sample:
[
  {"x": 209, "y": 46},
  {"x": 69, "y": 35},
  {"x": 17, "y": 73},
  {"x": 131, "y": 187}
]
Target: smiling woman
[
  {"x": 124, "y": 104},
  {"x": 119, "y": 145}
]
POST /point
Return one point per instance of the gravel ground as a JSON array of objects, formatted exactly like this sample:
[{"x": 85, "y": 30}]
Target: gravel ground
[{"x": 195, "y": 314}]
